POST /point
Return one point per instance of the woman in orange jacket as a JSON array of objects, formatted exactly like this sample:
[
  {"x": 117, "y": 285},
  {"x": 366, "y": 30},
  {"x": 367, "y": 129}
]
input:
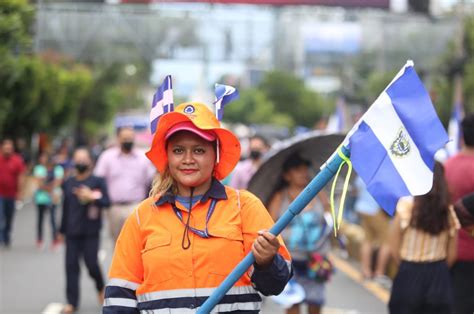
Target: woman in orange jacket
[{"x": 179, "y": 244}]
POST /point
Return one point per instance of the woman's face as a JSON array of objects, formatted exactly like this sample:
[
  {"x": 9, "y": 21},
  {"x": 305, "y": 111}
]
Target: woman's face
[
  {"x": 297, "y": 176},
  {"x": 191, "y": 161}
]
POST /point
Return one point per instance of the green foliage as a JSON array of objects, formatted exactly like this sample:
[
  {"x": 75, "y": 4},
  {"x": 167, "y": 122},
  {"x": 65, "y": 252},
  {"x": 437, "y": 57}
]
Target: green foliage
[
  {"x": 100, "y": 103},
  {"x": 468, "y": 84},
  {"x": 254, "y": 107},
  {"x": 39, "y": 97},
  {"x": 281, "y": 99},
  {"x": 443, "y": 82},
  {"x": 469, "y": 37},
  {"x": 375, "y": 84},
  {"x": 442, "y": 97},
  {"x": 47, "y": 93},
  {"x": 292, "y": 99},
  {"x": 16, "y": 17}
]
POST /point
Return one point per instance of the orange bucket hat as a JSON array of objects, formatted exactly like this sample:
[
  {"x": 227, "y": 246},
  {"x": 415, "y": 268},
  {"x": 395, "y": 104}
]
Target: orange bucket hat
[{"x": 202, "y": 118}]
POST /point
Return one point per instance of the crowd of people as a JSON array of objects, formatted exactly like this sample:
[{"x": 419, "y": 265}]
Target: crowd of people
[{"x": 186, "y": 209}]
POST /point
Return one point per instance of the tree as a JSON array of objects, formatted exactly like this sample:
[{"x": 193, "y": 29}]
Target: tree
[
  {"x": 47, "y": 92},
  {"x": 35, "y": 95},
  {"x": 99, "y": 105},
  {"x": 375, "y": 83},
  {"x": 16, "y": 18},
  {"x": 450, "y": 65},
  {"x": 291, "y": 97},
  {"x": 254, "y": 107}
]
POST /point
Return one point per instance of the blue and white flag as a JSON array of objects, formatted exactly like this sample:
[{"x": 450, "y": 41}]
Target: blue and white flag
[
  {"x": 224, "y": 95},
  {"x": 393, "y": 145},
  {"x": 162, "y": 102},
  {"x": 454, "y": 130}
]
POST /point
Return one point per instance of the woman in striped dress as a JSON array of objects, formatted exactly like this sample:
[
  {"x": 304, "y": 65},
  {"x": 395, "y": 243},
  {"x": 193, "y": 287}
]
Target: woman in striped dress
[{"x": 424, "y": 235}]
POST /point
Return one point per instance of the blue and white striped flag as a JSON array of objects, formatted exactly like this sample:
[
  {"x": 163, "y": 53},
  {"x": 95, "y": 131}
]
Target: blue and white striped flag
[
  {"x": 337, "y": 121},
  {"x": 162, "y": 102},
  {"x": 454, "y": 130},
  {"x": 393, "y": 144},
  {"x": 224, "y": 95}
]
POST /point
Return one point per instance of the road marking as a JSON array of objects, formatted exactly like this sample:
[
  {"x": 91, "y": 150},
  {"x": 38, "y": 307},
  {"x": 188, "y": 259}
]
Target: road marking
[
  {"x": 381, "y": 293},
  {"x": 331, "y": 310},
  {"x": 53, "y": 308}
]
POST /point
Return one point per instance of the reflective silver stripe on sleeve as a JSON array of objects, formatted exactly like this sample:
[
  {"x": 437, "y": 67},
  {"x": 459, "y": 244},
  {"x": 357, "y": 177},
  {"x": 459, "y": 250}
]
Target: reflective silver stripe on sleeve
[
  {"x": 123, "y": 283},
  {"x": 247, "y": 306},
  {"x": 183, "y": 293},
  {"x": 120, "y": 302},
  {"x": 220, "y": 308},
  {"x": 168, "y": 311}
]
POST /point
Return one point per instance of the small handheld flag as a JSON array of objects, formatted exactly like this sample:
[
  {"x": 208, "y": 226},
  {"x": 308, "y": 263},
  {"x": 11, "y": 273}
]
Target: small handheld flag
[
  {"x": 224, "y": 95},
  {"x": 162, "y": 102},
  {"x": 393, "y": 145},
  {"x": 337, "y": 121},
  {"x": 454, "y": 129}
]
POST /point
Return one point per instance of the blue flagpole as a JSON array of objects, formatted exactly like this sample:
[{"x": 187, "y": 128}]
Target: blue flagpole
[{"x": 303, "y": 199}]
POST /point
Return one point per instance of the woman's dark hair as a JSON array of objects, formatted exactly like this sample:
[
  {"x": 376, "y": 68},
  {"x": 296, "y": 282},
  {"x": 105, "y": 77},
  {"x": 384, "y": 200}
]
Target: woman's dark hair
[
  {"x": 430, "y": 211},
  {"x": 467, "y": 125},
  {"x": 293, "y": 161}
]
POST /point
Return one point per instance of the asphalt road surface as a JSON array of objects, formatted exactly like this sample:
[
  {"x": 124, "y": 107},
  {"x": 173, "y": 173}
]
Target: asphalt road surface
[{"x": 33, "y": 280}]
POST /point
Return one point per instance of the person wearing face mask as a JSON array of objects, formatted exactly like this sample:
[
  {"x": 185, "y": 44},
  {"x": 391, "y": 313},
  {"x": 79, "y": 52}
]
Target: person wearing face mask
[
  {"x": 307, "y": 236},
  {"x": 12, "y": 170},
  {"x": 244, "y": 171},
  {"x": 128, "y": 174},
  {"x": 84, "y": 197},
  {"x": 179, "y": 244}
]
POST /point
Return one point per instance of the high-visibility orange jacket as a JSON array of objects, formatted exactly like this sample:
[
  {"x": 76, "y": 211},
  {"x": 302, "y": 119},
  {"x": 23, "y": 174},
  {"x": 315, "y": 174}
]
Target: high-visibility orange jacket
[{"x": 152, "y": 273}]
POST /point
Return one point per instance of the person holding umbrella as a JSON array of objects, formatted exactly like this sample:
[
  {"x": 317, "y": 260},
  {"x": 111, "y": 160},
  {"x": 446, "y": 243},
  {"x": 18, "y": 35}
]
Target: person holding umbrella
[
  {"x": 308, "y": 234},
  {"x": 179, "y": 244}
]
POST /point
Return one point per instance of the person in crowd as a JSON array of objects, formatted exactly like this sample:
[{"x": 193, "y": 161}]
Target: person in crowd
[
  {"x": 460, "y": 177},
  {"x": 84, "y": 197},
  {"x": 12, "y": 169},
  {"x": 23, "y": 150},
  {"x": 62, "y": 157},
  {"x": 128, "y": 174},
  {"x": 375, "y": 223},
  {"x": 47, "y": 196},
  {"x": 307, "y": 235},
  {"x": 179, "y": 244},
  {"x": 423, "y": 241},
  {"x": 465, "y": 210},
  {"x": 245, "y": 170}
]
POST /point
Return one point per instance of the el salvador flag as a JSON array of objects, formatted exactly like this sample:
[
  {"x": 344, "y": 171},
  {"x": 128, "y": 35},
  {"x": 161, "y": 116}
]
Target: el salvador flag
[
  {"x": 393, "y": 145},
  {"x": 162, "y": 102},
  {"x": 224, "y": 95}
]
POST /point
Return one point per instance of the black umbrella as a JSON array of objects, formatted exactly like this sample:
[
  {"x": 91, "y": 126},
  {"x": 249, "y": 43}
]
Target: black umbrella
[{"x": 315, "y": 146}]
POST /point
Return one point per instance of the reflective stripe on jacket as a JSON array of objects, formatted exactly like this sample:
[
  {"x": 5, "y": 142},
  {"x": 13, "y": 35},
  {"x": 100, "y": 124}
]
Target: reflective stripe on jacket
[{"x": 152, "y": 273}]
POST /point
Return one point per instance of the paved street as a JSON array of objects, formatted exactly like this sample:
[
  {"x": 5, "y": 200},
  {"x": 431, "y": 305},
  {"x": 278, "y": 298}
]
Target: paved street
[{"x": 32, "y": 281}]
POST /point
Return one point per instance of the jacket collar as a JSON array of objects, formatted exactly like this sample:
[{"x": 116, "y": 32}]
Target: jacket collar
[{"x": 216, "y": 191}]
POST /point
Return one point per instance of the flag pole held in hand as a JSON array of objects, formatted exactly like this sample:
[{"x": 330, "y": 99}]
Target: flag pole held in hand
[
  {"x": 392, "y": 148},
  {"x": 312, "y": 189}
]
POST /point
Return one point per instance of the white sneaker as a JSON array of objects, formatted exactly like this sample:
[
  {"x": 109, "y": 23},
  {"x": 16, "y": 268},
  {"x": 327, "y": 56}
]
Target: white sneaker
[{"x": 383, "y": 281}]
